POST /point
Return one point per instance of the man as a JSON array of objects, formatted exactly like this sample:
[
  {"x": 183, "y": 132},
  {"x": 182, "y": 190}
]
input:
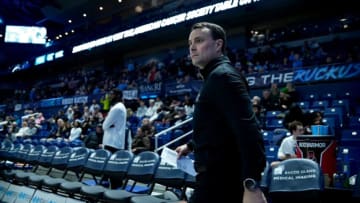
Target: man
[
  {"x": 227, "y": 142},
  {"x": 114, "y": 127},
  {"x": 114, "y": 124},
  {"x": 287, "y": 148}
]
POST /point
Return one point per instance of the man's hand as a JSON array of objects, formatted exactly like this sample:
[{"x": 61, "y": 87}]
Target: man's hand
[
  {"x": 256, "y": 196},
  {"x": 182, "y": 150}
]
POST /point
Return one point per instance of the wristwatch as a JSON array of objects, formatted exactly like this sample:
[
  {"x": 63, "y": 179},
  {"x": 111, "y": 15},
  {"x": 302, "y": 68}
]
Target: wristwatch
[{"x": 251, "y": 184}]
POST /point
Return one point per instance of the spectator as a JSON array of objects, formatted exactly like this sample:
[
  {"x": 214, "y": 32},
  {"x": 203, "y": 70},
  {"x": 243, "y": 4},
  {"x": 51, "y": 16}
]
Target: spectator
[
  {"x": 114, "y": 127},
  {"x": 75, "y": 131},
  {"x": 94, "y": 138},
  {"x": 141, "y": 110},
  {"x": 142, "y": 140},
  {"x": 287, "y": 149}
]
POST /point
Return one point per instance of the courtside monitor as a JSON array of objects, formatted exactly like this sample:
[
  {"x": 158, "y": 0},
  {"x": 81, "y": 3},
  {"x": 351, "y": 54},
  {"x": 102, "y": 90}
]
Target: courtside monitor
[{"x": 25, "y": 34}]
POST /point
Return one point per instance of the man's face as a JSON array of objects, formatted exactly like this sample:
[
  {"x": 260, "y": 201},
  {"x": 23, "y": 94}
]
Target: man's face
[
  {"x": 299, "y": 130},
  {"x": 203, "y": 48}
]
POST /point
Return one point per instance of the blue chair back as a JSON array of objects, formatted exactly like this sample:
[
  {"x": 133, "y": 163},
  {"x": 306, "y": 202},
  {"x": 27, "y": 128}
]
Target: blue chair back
[
  {"x": 118, "y": 164},
  {"x": 296, "y": 180},
  {"x": 6, "y": 145},
  {"x": 23, "y": 153},
  {"x": 143, "y": 169},
  {"x": 13, "y": 152},
  {"x": 77, "y": 160},
  {"x": 144, "y": 166},
  {"x": 47, "y": 156},
  {"x": 34, "y": 154},
  {"x": 96, "y": 162},
  {"x": 169, "y": 175},
  {"x": 61, "y": 158}
]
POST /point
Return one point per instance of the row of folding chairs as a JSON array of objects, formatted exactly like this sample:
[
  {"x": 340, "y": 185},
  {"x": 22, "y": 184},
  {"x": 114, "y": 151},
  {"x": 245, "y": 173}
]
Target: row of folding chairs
[{"x": 123, "y": 165}]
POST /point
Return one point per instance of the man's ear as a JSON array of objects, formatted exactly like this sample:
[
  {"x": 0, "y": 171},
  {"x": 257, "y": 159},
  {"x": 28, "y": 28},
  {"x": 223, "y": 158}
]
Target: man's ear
[{"x": 219, "y": 44}]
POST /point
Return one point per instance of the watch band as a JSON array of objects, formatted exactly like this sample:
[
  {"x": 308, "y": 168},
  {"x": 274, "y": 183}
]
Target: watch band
[{"x": 251, "y": 184}]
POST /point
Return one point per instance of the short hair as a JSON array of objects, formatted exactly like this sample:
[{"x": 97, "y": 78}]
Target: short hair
[
  {"x": 217, "y": 32},
  {"x": 117, "y": 93},
  {"x": 293, "y": 125}
]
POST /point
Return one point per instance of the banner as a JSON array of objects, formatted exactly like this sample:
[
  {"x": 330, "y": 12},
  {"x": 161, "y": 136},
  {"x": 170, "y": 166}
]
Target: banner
[
  {"x": 130, "y": 94},
  {"x": 332, "y": 72},
  {"x": 50, "y": 102},
  {"x": 175, "y": 89},
  {"x": 306, "y": 75},
  {"x": 147, "y": 89}
]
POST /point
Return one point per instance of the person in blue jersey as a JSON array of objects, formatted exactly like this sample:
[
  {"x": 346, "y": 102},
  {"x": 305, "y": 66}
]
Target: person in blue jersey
[{"x": 227, "y": 143}]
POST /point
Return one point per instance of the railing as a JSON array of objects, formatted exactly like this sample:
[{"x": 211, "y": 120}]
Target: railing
[{"x": 157, "y": 135}]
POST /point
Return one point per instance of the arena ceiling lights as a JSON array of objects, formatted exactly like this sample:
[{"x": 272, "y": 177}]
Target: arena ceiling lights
[{"x": 173, "y": 20}]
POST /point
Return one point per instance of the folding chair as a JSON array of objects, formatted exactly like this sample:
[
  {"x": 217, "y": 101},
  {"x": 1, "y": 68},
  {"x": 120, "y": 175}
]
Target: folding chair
[
  {"x": 94, "y": 166},
  {"x": 170, "y": 177},
  {"x": 45, "y": 161},
  {"x": 168, "y": 197},
  {"x": 116, "y": 168},
  {"x": 59, "y": 162},
  {"x": 20, "y": 158},
  {"x": 296, "y": 180},
  {"x": 189, "y": 182},
  {"x": 142, "y": 170},
  {"x": 10, "y": 159},
  {"x": 356, "y": 190},
  {"x": 75, "y": 164},
  {"x": 350, "y": 137},
  {"x": 33, "y": 160}
]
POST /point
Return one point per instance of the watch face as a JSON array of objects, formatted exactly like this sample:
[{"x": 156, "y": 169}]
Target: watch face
[{"x": 250, "y": 184}]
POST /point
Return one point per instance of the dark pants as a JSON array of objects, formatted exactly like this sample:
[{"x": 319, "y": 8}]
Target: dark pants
[
  {"x": 114, "y": 183},
  {"x": 216, "y": 186}
]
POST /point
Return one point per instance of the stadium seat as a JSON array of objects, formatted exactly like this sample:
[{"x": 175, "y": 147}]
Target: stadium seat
[
  {"x": 265, "y": 178},
  {"x": 274, "y": 123},
  {"x": 347, "y": 159},
  {"x": 23, "y": 153},
  {"x": 343, "y": 103},
  {"x": 142, "y": 170},
  {"x": 320, "y": 104},
  {"x": 354, "y": 122},
  {"x": 271, "y": 153},
  {"x": 189, "y": 183},
  {"x": 11, "y": 155},
  {"x": 329, "y": 96},
  {"x": 333, "y": 124},
  {"x": 350, "y": 137},
  {"x": 33, "y": 160},
  {"x": 304, "y": 104},
  {"x": 267, "y": 137},
  {"x": 6, "y": 144},
  {"x": 44, "y": 161},
  {"x": 116, "y": 168},
  {"x": 279, "y": 134},
  {"x": 273, "y": 114},
  {"x": 10, "y": 159},
  {"x": 356, "y": 190},
  {"x": 167, "y": 197},
  {"x": 336, "y": 112},
  {"x": 311, "y": 97},
  {"x": 20, "y": 158},
  {"x": 75, "y": 162},
  {"x": 58, "y": 162},
  {"x": 296, "y": 180},
  {"x": 94, "y": 167},
  {"x": 169, "y": 176}
]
